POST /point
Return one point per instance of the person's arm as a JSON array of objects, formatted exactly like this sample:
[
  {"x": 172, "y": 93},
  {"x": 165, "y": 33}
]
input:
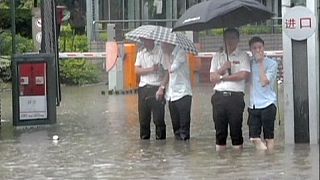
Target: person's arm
[
  {"x": 268, "y": 74},
  {"x": 224, "y": 68},
  {"x": 180, "y": 59},
  {"x": 238, "y": 76},
  {"x": 214, "y": 74},
  {"x": 144, "y": 71},
  {"x": 244, "y": 72},
  {"x": 161, "y": 90},
  {"x": 262, "y": 74}
]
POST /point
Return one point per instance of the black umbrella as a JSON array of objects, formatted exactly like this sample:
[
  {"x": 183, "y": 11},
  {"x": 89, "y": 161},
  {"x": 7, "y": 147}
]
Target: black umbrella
[{"x": 222, "y": 13}]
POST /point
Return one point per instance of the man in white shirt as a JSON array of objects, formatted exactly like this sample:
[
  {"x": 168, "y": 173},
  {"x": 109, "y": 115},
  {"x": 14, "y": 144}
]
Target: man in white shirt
[
  {"x": 152, "y": 80},
  {"x": 179, "y": 92},
  {"x": 227, "y": 101}
]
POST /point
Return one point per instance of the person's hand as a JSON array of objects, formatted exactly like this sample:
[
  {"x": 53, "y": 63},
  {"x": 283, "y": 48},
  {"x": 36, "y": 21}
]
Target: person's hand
[
  {"x": 259, "y": 55},
  {"x": 156, "y": 67},
  {"x": 160, "y": 94},
  {"x": 215, "y": 78},
  {"x": 170, "y": 70},
  {"x": 226, "y": 65}
]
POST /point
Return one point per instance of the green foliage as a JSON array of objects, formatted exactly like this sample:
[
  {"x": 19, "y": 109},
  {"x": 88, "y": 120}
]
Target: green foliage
[
  {"x": 78, "y": 72},
  {"x": 23, "y": 21},
  {"x": 104, "y": 36},
  {"x": 5, "y": 71},
  {"x": 70, "y": 42},
  {"x": 246, "y": 30},
  {"x": 22, "y": 44},
  {"x": 250, "y": 29}
]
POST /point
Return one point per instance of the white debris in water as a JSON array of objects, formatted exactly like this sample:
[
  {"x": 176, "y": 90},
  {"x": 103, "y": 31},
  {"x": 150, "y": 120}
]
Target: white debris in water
[{"x": 55, "y": 137}]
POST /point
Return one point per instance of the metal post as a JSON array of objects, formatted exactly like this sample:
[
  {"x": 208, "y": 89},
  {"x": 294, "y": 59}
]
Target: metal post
[
  {"x": 313, "y": 77},
  {"x": 131, "y": 13},
  {"x": 89, "y": 21},
  {"x": 169, "y": 12},
  {"x": 13, "y": 27}
]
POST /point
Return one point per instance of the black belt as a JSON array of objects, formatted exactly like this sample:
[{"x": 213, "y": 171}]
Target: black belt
[
  {"x": 150, "y": 86},
  {"x": 229, "y": 93}
]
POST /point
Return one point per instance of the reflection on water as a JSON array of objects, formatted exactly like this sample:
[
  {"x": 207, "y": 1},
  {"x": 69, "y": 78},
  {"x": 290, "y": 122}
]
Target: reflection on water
[{"x": 99, "y": 139}]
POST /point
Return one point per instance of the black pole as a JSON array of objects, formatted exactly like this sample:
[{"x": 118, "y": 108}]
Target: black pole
[
  {"x": 225, "y": 44},
  {"x": 13, "y": 28}
]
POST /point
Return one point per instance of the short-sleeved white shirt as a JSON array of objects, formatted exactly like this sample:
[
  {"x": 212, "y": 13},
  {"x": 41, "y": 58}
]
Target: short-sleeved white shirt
[
  {"x": 239, "y": 62},
  {"x": 179, "y": 80},
  {"x": 146, "y": 59}
]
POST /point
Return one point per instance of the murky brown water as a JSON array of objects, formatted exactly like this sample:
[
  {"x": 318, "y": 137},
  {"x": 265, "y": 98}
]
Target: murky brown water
[{"x": 99, "y": 139}]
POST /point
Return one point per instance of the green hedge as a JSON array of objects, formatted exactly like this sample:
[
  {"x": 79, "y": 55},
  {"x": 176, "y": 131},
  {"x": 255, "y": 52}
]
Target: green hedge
[
  {"x": 23, "y": 21},
  {"x": 247, "y": 30},
  {"x": 78, "y": 72},
  {"x": 22, "y": 44}
]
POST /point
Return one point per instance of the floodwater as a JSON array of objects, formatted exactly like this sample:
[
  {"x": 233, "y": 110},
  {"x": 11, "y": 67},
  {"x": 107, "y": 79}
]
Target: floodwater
[{"x": 99, "y": 139}]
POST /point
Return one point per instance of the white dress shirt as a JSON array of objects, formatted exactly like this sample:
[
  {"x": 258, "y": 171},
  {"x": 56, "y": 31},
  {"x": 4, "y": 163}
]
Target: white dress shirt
[
  {"x": 146, "y": 59},
  {"x": 179, "y": 78},
  {"x": 239, "y": 62}
]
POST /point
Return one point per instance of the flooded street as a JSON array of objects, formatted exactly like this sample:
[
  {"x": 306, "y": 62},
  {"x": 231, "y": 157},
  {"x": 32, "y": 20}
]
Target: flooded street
[{"x": 99, "y": 139}]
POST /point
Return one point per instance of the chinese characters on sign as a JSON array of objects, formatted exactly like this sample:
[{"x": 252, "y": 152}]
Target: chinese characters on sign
[
  {"x": 299, "y": 23},
  {"x": 304, "y": 23}
]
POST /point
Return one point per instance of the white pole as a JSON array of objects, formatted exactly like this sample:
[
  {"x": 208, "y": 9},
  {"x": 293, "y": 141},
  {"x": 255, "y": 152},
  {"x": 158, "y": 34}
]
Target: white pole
[
  {"x": 313, "y": 77},
  {"x": 288, "y": 82}
]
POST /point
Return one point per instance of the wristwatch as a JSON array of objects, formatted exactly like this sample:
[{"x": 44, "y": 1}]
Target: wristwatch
[{"x": 221, "y": 78}]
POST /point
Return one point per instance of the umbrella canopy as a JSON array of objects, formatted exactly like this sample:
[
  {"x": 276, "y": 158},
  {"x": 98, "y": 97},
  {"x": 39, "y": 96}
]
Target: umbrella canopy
[
  {"x": 162, "y": 34},
  {"x": 222, "y": 13}
]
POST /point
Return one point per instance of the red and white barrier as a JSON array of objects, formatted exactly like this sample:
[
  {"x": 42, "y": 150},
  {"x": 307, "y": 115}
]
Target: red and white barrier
[
  {"x": 267, "y": 53},
  {"x": 87, "y": 55}
]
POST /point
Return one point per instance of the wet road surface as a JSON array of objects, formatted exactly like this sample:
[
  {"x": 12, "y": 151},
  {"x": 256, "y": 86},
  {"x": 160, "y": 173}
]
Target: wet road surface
[{"x": 99, "y": 139}]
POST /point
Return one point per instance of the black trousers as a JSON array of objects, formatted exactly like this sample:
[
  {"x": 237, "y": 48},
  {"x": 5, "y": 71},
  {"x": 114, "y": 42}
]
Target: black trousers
[
  {"x": 227, "y": 110},
  {"x": 147, "y": 105},
  {"x": 262, "y": 118},
  {"x": 180, "y": 117}
]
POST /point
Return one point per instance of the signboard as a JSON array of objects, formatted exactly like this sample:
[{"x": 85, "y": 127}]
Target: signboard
[
  {"x": 33, "y": 91},
  {"x": 299, "y": 23},
  {"x": 33, "y": 107}
]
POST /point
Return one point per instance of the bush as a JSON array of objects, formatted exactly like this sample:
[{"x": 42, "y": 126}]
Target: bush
[
  {"x": 250, "y": 29},
  {"x": 23, "y": 21},
  {"x": 5, "y": 71},
  {"x": 22, "y": 44},
  {"x": 78, "y": 72},
  {"x": 70, "y": 41},
  {"x": 245, "y": 30}
]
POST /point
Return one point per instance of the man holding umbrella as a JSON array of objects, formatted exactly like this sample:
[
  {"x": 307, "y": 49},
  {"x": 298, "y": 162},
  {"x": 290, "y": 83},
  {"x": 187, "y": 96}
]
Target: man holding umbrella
[
  {"x": 227, "y": 101},
  {"x": 175, "y": 47},
  {"x": 149, "y": 68}
]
